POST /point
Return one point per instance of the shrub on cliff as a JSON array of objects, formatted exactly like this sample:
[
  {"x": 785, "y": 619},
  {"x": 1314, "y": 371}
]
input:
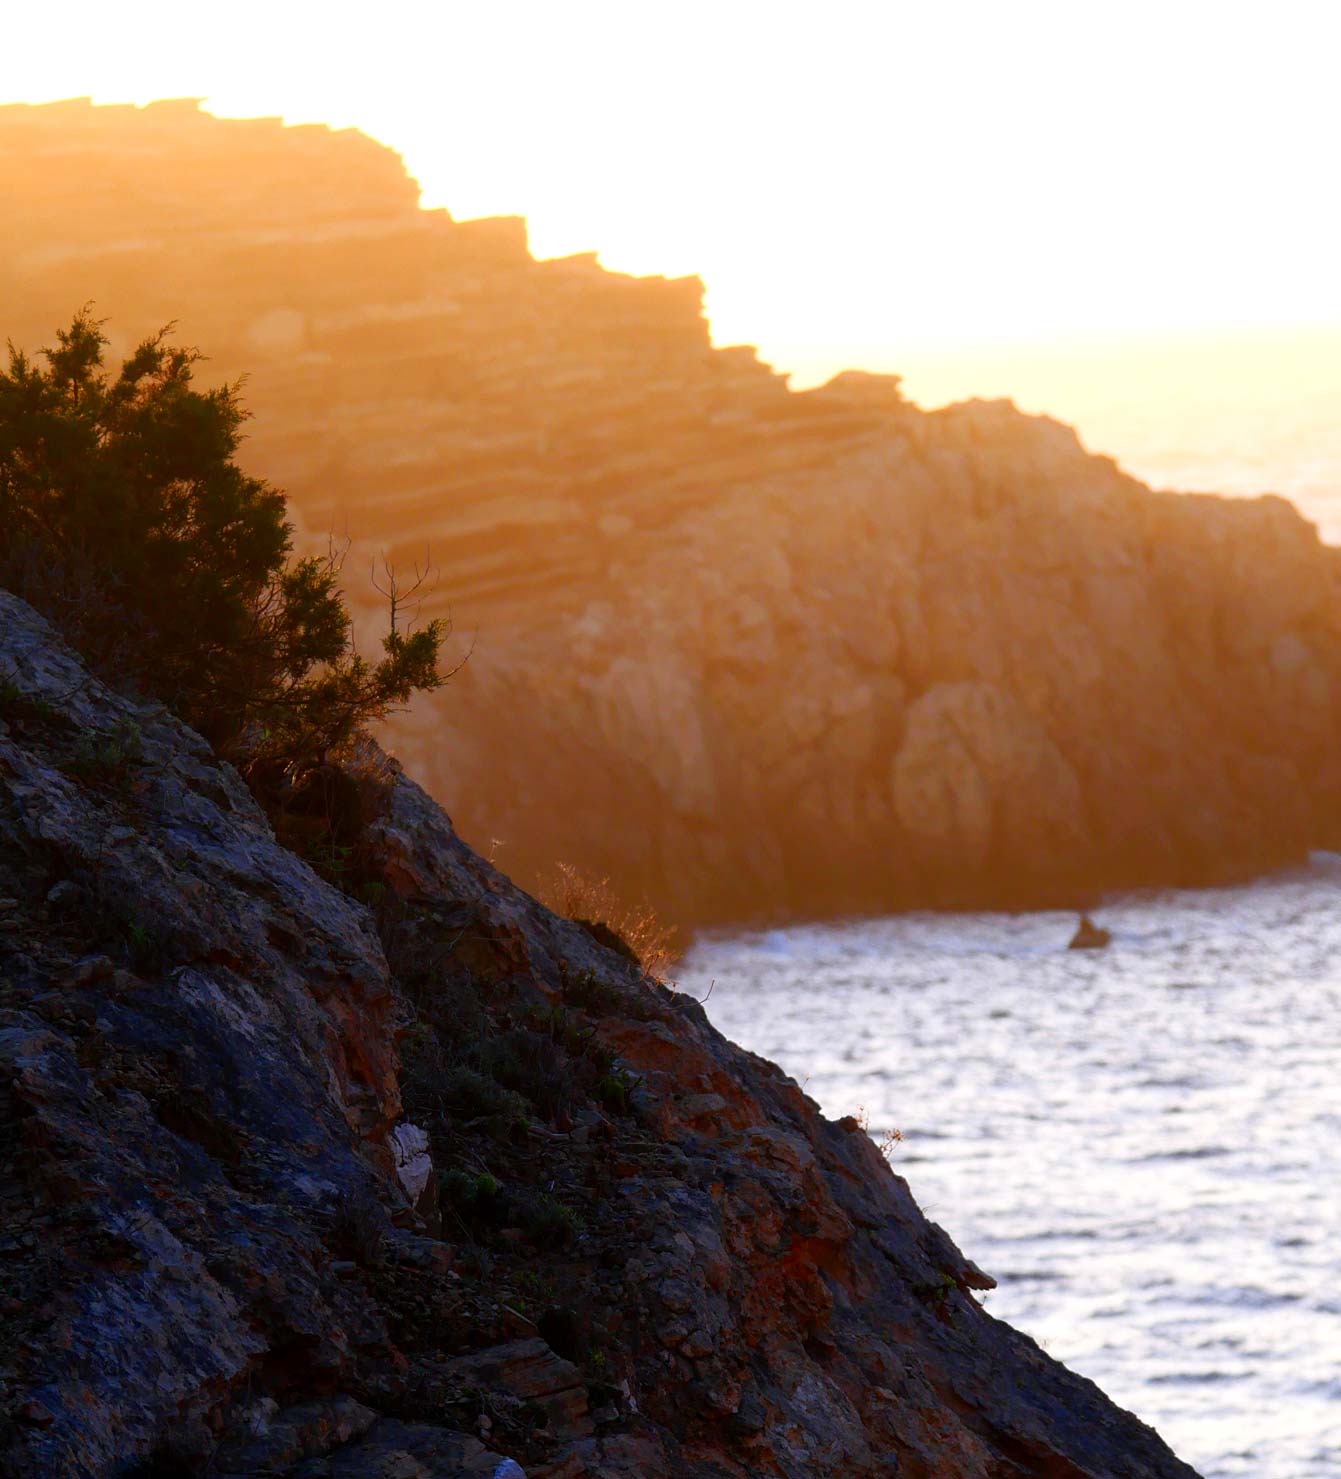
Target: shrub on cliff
[{"x": 126, "y": 520}]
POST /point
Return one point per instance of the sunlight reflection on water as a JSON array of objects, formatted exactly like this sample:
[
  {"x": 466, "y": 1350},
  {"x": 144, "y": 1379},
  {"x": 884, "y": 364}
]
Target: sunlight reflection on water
[{"x": 1139, "y": 1143}]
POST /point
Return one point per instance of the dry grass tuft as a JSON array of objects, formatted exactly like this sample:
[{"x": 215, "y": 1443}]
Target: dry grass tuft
[
  {"x": 593, "y": 901},
  {"x": 886, "y": 1143}
]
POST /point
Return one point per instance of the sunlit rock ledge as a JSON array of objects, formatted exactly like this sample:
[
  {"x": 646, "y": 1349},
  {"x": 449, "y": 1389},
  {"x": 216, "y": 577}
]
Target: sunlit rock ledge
[
  {"x": 260, "y": 1216},
  {"x": 751, "y": 652}
]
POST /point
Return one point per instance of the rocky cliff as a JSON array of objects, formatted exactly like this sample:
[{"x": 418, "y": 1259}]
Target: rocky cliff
[
  {"x": 747, "y": 650},
  {"x": 291, "y": 1185}
]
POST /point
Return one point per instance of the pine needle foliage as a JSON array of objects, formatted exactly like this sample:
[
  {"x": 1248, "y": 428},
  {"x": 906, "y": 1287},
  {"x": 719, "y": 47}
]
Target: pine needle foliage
[{"x": 125, "y": 517}]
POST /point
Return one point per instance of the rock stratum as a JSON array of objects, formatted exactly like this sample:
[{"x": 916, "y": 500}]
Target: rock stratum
[
  {"x": 747, "y": 650},
  {"x": 441, "y": 1188}
]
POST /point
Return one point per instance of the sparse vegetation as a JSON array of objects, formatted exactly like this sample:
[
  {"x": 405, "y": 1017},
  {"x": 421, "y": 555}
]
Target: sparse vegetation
[
  {"x": 465, "y": 1192},
  {"x": 142, "y": 950},
  {"x": 442, "y": 1088},
  {"x": 358, "y": 1228},
  {"x": 888, "y": 1139},
  {"x": 18, "y": 707},
  {"x": 480, "y": 1205},
  {"x": 614, "y": 1089},
  {"x": 321, "y": 811},
  {"x": 550, "y": 1222},
  {"x": 588, "y": 991},
  {"x": 633, "y": 931},
  {"x": 107, "y": 759}
]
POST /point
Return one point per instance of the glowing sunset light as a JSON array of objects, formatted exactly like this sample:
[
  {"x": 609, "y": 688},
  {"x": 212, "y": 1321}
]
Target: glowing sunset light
[
  {"x": 850, "y": 182},
  {"x": 1066, "y": 204}
]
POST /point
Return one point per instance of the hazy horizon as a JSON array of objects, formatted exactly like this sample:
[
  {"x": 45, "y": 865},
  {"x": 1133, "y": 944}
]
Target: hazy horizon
[{"x": 890, "y": 185}]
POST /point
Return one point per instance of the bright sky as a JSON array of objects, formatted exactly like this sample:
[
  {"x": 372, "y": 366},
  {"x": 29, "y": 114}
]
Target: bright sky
[{"x": 863, "y": 182}]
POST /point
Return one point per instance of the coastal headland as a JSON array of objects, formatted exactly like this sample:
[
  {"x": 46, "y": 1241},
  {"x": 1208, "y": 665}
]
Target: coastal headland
[{"x": 749, "y": 652}]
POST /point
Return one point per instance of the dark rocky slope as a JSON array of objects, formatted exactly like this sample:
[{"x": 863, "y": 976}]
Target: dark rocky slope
[
  {"x": 749, "y": 651},
  {"x": 606, "y": 1242}
]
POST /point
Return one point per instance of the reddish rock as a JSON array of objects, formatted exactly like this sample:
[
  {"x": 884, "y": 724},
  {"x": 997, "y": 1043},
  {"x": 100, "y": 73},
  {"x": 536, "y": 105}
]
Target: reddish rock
[{"x": 212, "y": 1262}]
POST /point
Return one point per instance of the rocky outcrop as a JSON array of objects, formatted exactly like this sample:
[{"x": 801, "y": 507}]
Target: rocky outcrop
[
  {"x": 746, "y": 650},
  {"x": 636, "y": 1250}
]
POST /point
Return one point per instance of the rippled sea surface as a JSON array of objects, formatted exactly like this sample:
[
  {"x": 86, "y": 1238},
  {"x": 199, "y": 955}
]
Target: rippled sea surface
[{"x": 1142, "y": 1144}]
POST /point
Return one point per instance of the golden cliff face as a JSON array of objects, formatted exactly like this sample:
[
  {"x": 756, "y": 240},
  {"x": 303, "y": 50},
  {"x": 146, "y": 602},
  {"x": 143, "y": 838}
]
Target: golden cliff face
[{"x": 747, "y": 650}]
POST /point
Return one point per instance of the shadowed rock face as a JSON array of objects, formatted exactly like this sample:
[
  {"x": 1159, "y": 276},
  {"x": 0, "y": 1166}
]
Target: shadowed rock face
[
  {"x": 212, "y": 1263},
  {"x": 748, "y": 651}
]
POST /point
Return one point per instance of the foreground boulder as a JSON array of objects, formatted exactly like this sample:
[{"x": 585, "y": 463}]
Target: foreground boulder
[
  {"x": 748, "y": 651},
  {"x": 439, "y": 1187}
]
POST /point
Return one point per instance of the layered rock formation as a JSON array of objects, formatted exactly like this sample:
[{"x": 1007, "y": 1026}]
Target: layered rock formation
[
  {"x": 612, "y": 1245},
  {"x": 746, "y": 650}
]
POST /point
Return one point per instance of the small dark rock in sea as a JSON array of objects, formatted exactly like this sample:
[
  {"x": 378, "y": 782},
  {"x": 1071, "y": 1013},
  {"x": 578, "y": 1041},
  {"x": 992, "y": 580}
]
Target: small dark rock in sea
[{"x": 1089, "y": 936}]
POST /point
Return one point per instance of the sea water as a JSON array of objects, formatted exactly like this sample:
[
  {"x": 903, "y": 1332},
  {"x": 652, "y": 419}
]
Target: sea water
[{"x": 1142, "y": 1144}]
